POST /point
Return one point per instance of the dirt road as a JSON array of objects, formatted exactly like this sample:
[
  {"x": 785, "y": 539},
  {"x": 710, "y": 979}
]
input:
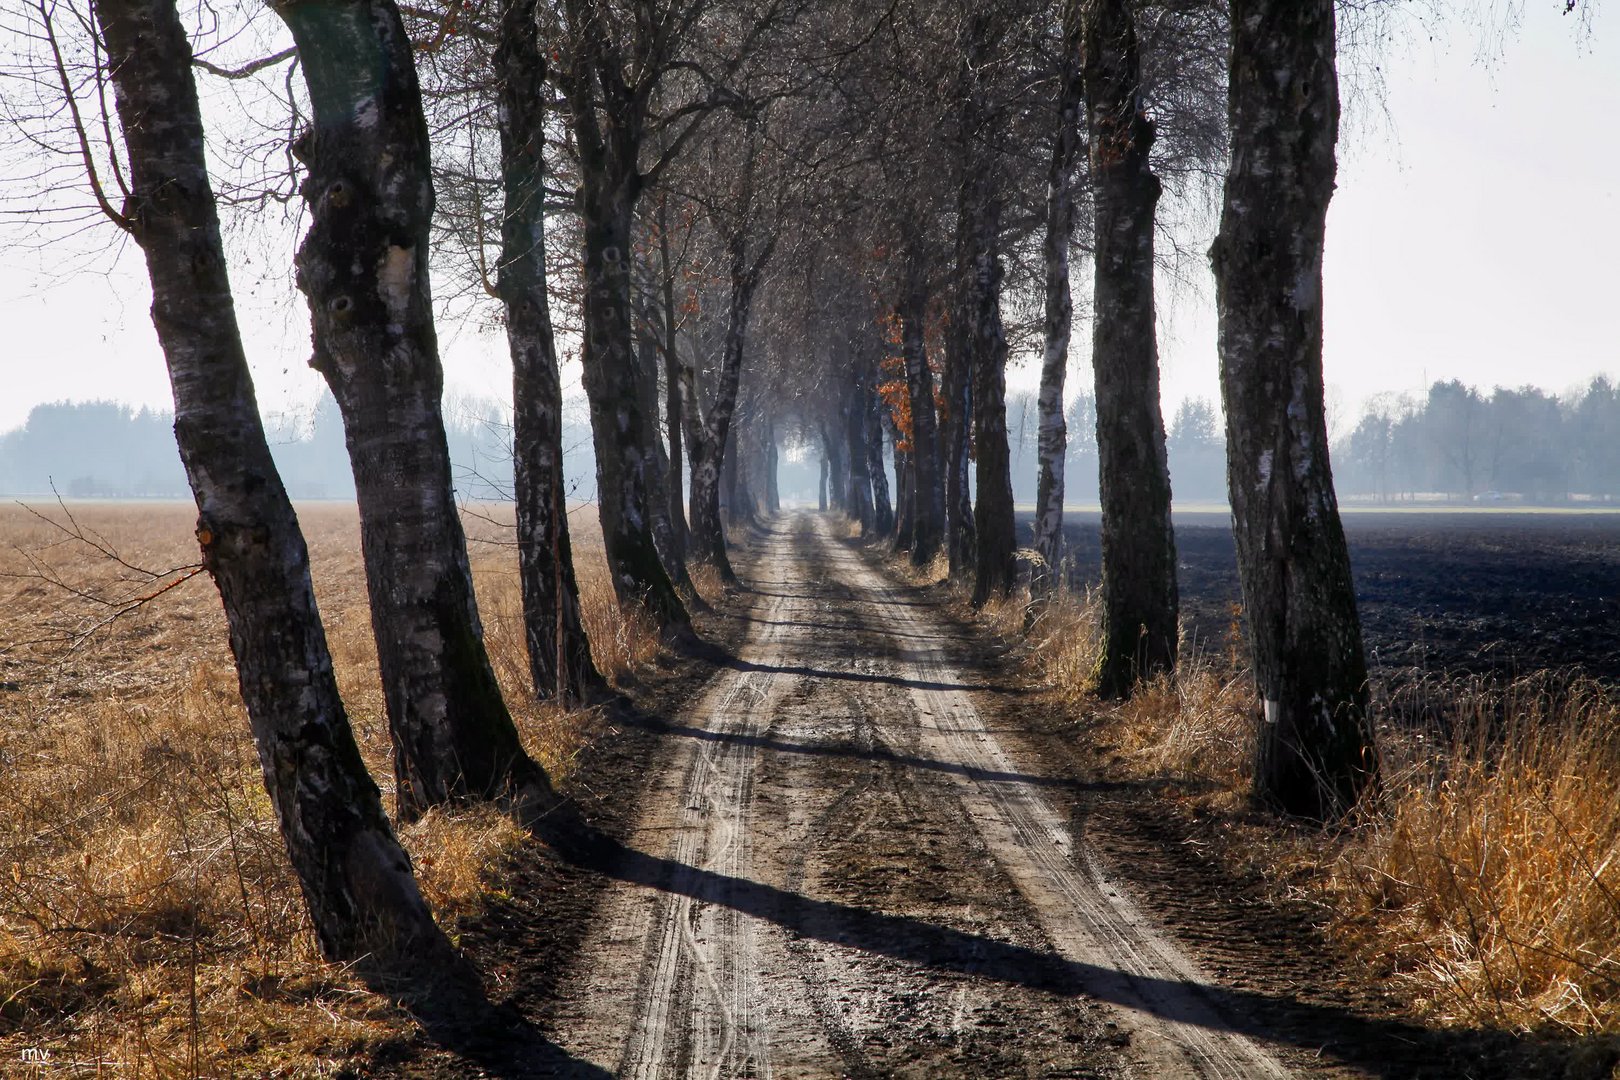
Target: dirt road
[{"x": 847, "y": 872}]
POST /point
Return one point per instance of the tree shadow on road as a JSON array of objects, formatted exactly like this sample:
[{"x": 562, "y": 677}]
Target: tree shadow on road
[{"x": 1383, "y": 1047}]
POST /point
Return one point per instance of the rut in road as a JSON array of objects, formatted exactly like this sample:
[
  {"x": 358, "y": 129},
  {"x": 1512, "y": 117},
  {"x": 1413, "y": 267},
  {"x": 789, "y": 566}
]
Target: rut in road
[{"x": 844, "y": 872}]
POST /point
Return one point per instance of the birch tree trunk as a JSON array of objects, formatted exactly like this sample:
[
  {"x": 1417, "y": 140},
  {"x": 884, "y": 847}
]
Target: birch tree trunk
[
  {"x": 708, "y": 534},
  {"x": 559, "y": 651},
  {"x": 608, "y": 148},
  {"x": 674, "y": 406},
  {"x": 1053, "y": 439},
  {"x": 926, "y": 492},
  {"x": 1138, "y": 545},
  {"x": 363, "y": 267},
  {"x": 956, "y": 385},
  {"x": 979, "y": 319},
  {"x": 773, "y": 491},
  {"x": 883, "y": 522},
  {"x": 1316, "y": 753},
  {"x": 356, "y": 879},
  {"x": 859, "y": 497}
]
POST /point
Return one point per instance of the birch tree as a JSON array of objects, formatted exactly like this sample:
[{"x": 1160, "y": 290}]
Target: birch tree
[
  {"x": 1139, "y": 605},
  {"x": 559, "y": 651},
  {"x": 356, "y": 878},
  {"x": 1315, "y": 751},
  {"x": 363, "y": 267}
]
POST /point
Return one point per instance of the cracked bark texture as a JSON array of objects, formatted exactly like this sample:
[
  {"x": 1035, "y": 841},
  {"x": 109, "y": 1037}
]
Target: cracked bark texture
[
  {"x": 355, "y": 877},
  {"x": 1053, "y": 439},
  {"x": 1138, "y": 544},
  {"x": 1315, "y": 752},
  {"x": 560, "y": 662},
  {"x": 363, "y": 268}
]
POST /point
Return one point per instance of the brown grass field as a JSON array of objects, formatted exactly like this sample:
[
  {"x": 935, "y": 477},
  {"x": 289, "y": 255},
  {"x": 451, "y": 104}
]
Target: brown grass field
[{"x": 149, "y": 924}]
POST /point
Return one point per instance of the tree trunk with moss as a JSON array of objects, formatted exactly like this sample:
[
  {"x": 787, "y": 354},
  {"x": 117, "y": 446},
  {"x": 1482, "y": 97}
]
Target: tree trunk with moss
[
  {"x": 1138, "y": 545},
  {"x": 363, "y": 267},
  {"x": 1316, "y": 754},
  {"x": 560, "y": 663},
  {"x": 356, "y": 879}
]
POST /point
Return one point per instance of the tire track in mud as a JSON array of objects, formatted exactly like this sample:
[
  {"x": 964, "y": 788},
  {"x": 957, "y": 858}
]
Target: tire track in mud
[
  {"x": 1089, "y": 918},
  {"x": 841, "y": 873},
  {"x": 691, "y": 999}
]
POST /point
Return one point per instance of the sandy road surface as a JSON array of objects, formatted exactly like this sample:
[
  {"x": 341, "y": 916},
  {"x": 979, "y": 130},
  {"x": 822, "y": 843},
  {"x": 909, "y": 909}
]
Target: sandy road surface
[{"x": 846, "y": 872}]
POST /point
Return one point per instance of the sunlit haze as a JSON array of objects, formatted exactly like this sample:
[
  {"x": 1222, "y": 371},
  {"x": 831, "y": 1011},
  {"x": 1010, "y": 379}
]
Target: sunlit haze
[{"x": 1472, "y": 237}]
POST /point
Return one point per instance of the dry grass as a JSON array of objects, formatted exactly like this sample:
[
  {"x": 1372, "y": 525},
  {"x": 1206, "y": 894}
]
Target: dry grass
[
  {"x": 1485, "y": 876},
  {"x": 1490, "y": 876},
  {"x": 149, "y": 924}
]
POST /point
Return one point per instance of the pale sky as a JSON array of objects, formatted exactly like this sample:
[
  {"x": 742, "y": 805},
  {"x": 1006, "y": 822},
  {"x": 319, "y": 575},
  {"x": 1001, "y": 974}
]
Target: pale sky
[{"x": 1474, "y": 235}]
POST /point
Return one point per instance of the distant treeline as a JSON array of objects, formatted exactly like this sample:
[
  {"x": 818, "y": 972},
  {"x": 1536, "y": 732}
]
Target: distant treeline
[
  {"x": 104, "y": 449},
  {"x": 1457, "y": 442}
]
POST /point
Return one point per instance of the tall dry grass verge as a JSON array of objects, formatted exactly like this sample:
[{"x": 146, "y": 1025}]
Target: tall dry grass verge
[
  {"x": 149, "y": 923},
  {"x": 1485, "y": 875},
  {"x": 1490, "y": 875}
]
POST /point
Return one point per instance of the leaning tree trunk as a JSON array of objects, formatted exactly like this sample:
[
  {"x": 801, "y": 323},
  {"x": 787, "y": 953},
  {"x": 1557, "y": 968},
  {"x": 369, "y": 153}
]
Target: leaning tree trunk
[
  {"x": 1138, "y": 545},
  {"x": 1053, "y": 440},
  {"x": 674, "y": 408},
  {"x": 1316, "y": 753},
  {"x": 708, "y": 534},
  {"x": 356, "y": 879},
  {"x": 363, "y": 266},
  {"x": 926, "y": 504},
  {"x": 666, "y": 537},
  {"x": 559, "y": 651}
]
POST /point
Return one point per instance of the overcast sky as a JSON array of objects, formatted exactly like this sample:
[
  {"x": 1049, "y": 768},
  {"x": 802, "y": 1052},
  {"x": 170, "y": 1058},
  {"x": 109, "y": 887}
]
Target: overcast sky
[{"x": 1475, "y": 235}]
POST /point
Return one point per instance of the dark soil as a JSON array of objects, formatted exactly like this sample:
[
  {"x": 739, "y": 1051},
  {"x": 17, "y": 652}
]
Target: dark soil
[{"x": 1468, "y": 593}]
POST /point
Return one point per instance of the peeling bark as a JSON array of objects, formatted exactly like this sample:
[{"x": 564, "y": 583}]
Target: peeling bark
[
  {"x": 363, "y": 267},
  {"x": 1138, "y": 545},
  {"x": 560, "y": 662},
  {"x": 1316, "y": 754},
  {"x": 355, "y": 877}
]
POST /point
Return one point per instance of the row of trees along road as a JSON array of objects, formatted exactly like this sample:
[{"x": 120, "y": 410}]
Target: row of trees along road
[{"x": 759, "y": 220}]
